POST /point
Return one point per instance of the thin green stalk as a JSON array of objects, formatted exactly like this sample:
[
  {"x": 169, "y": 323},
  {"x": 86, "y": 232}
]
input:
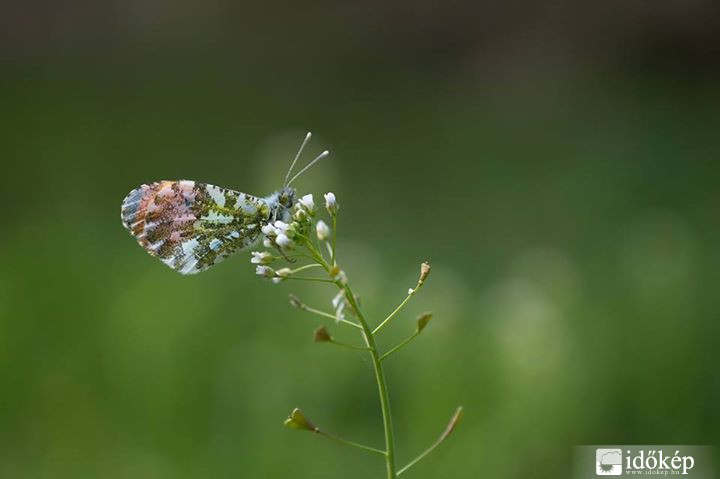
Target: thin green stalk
[
  {"x": 304, "y": 278},
  {"x": 419, "y": 458},
  {"x": 394, "y": 313},
  {"x": 300, "y": 255},
  {"x": 334, "y": 238},
  {"x": 424, "y": 271},
  {"x": 319, "y": 313},
  {"x": 377, "y": 366},
  {"x": 307, "y": 266},
  {"x": 381, "y": 383},
  {"x": 310, "y": 244},
  {"x": 330, "y": 316},
  {"x": 350, "y": 443},
  {"x": 399, "y": 346},
  {"x": 349, "y": 323},
  {"x": 349, "y": 346},
  {"x": 454, "y": 420}
]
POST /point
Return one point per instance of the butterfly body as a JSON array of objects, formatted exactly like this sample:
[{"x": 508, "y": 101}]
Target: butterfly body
[{"x": 191, "y": 226}]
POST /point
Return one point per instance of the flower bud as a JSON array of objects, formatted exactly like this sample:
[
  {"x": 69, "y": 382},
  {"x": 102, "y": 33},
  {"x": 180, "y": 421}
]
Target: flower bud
[
  {"x": 331, "y": 203},
  {"x": 322, "y": 335},
  {"x": 307, "y": 203},
  {"x": 423, "y": 321},
  {"x": 300, "y": 215},
  {"x": 323, "y": 230},
  {"x": 264, "y": 271},
  {"x": 269, "y": 230},
  {"x": 283, "y": 240},
  {"x": 281, "y": 275},
  {"x": 297, "y": 420},
  {"x": 281, "y": 227},
  {"x": 283, "y": 272},
  {"x": 424, "y": 272},
  {"x": 261, "y": 257}
]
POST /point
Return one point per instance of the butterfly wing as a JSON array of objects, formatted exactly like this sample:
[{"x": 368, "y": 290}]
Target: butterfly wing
[{"x": 192, "y": 226}]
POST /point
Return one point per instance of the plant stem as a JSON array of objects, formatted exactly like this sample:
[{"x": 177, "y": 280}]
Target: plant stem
[
  {"x": 454, "y": 420},
  {"x": 350, "y": 323},
  {"x": 396, "y": 348},
  {"x": 303, "y": 278},
  {"x": 396, "y": 311},
  {"x": 350, "y": 443},
  {"x": 349, "y": 346},
  {"x": 377, "y": 366},
  {"x": 319, "y": 313},
  {"x": 307, "y": 266},
  {"x": 334, "y": 239},
  {"x": 330, "y": 316},
  {"x": 382, "y": 386}
]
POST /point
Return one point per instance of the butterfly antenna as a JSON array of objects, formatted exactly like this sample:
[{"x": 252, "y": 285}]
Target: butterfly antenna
[
  {"x": 297, "y": 155},
  {"x": 318, "y": 158}
]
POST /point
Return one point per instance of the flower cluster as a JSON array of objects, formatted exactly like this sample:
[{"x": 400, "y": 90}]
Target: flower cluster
[
  {"x": 296, "y": 236},
  {"x": 282, "y": 235}
]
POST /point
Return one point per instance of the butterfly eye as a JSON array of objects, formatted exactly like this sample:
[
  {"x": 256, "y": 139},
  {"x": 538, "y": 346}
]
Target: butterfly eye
[{"x": 286, "y": 198}]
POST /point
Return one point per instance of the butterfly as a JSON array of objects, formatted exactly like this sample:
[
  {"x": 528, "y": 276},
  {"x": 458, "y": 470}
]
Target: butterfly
[{"x": 191, "y": 226}]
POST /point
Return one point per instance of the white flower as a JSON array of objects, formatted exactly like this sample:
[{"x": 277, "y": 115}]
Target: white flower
[
  {"x": 264, "y": 271},
  {"x": 307, "y": 203},
  {"x": 267, "y": 242},
  {"x": 283, "y": 240},
  {"x": 281, "y": 226},
  {"x": 323, "y": 230},
  {"x": 337, "y": 299},
  {"x": 338, "y": 303},
  {"x": 339, "y": 313},
  {"x": 286, "y": 229},
  {"x": 331, "y": 203},
  {"x": 269, "y": 230},
  {"x": 261, "y": 257}
]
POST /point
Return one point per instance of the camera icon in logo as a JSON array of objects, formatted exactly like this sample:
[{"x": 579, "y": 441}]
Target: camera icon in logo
[{"x": 608, "y": 462}]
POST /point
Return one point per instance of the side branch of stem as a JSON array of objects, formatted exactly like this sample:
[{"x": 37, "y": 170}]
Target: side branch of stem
[{"x": 402, "y": 344}]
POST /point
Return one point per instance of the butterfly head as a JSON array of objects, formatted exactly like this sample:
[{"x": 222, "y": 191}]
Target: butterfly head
[
  {"x": 281, "y": 203},
  {"x": 286, "y": 197}
]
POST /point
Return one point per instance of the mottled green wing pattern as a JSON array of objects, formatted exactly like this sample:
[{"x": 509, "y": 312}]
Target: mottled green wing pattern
[{"x": 192, "y": 226}]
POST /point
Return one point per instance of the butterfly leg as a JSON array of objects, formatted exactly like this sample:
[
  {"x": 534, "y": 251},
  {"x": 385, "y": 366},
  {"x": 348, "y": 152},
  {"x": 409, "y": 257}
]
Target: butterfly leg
[{"x": 284, "y": 255}]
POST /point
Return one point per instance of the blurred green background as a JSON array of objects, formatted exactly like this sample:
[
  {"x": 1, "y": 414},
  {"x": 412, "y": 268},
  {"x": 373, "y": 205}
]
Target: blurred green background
[{"x": 556, "y": 162}]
